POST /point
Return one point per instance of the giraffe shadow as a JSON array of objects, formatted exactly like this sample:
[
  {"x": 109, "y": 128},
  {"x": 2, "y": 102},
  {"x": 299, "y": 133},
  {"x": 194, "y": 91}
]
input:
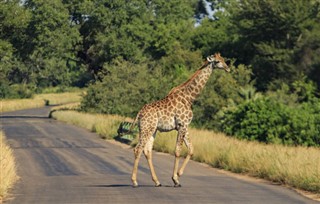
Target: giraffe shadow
[
  {"x": 126, "y": 185},
  {"x": 110, "y": 186}
]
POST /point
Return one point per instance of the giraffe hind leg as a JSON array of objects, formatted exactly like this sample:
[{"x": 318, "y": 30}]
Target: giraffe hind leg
[
  {"x": 148, "y": 154},
  {"x": 144, "y": 138},
  {"x": 137, "y": 154}
]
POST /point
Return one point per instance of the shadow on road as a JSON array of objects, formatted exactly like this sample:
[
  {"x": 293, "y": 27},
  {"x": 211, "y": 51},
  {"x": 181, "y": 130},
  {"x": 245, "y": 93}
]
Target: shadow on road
[
  {"x": 126, "y": 185},
  {"x": 23, "y": 117}
]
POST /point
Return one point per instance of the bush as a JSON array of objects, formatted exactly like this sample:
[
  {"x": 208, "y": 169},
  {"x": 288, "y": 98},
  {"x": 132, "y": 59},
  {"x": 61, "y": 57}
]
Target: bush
[
  {"x": 251, "y": 120},
  {"x": 221, "y": 91},
  {"x": 305, "y": 123},
  {"x": 15, "y": 91},
  {"x": 269, "y": 121},
  {"x": 5, "y": 90},
  {"x": 125, "y": 90}
]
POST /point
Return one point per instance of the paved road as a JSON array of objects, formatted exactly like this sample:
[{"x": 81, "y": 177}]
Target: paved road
[{"x": 60, "y": 163}]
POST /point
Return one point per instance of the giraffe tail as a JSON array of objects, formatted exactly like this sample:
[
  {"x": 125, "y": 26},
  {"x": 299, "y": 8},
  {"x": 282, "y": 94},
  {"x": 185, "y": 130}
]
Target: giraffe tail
[
  {"x": 126, "y": 128},
  {"x": 133, "y": 124}
]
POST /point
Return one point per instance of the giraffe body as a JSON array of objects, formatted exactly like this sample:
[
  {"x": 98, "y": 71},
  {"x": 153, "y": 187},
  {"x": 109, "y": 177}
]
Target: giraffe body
[{"x": 174, "y": 112}]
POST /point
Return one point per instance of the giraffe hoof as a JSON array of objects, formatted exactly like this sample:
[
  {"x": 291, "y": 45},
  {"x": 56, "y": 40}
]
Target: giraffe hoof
[
  {"x": 176, "y": 182},
  {"x": 177, "y": 185},
  {"x": 135, "y": 184},
  {"x": 158, "y": 185}
]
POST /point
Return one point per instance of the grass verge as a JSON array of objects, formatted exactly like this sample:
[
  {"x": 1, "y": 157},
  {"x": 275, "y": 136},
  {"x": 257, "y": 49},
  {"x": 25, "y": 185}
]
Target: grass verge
[
  {"x": 298, "y": 167},
  {"x": 39, "y": 100},
  {"x": 8, "y": 175}
]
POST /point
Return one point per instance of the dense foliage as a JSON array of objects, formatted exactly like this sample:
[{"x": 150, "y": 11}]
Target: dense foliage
[
  {"x": 130, "y": 53},
  {"x": 269, "y": 121}
]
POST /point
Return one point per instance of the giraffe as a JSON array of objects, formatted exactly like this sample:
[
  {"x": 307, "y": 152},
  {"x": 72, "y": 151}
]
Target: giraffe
[{"x": 174, "y": 112}]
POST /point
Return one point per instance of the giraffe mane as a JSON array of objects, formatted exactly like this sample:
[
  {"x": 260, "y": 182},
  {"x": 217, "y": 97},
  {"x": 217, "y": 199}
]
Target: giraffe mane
[{"x": 190, "y": 79}]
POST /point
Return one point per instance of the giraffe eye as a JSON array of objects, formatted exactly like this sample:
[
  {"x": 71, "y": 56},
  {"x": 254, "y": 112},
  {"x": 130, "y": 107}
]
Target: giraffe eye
[{"x": 210, "y": 59}]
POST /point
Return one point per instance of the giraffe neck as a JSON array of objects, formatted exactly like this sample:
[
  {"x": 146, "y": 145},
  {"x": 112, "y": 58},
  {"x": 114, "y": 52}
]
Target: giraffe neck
[{"x": 193, "y": 86}]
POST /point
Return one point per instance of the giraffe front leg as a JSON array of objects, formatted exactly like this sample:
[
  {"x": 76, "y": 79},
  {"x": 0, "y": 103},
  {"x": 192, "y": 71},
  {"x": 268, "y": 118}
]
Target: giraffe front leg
[{"x": 175, "y": 176}]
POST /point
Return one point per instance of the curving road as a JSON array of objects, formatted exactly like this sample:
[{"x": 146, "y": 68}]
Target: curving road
[{"x": 60, "y": 163}]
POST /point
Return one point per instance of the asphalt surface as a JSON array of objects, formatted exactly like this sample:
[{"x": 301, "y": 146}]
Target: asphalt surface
[{"x": 60, "y": 163}]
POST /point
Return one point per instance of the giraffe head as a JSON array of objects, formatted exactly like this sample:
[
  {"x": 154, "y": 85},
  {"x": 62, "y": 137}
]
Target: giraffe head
[{"x": 216, "y": 61}]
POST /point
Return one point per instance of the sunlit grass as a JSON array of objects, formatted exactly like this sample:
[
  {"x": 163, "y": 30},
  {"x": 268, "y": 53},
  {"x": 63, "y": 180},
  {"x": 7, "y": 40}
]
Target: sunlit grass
[
  {"x": 298, "y": 167},
  {"x": 60, "y": 98},
  {"x": 8, "y": 174},
  {"x": 19, "y": 104},
  {"x": 40, "y": 100}
]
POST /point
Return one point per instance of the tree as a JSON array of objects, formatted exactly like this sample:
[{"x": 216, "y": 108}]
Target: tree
[
  {"x": 52, "y": 45},
  {"x": 271, "y": 32},
  {"x": 134, "y": 30},
  {"x": 112, "y": 29},
  {"x": 14, "y": 20},
  {"x": 306, "y": 55}
]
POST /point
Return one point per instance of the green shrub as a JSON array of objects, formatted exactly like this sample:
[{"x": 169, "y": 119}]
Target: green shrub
[
  {"x": 269, "y": 121},
  {"x": 125, "y": 90},
  {"x": 305, "y": 123},
  {"x": 221, "y": 91},
  {"x": 15, "y": 91},
  {"x": 5, "y": 90}
]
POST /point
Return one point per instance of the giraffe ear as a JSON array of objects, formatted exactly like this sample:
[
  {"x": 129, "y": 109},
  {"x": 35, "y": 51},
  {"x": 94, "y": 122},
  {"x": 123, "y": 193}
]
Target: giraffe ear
[{"x": 217, "y": 54}]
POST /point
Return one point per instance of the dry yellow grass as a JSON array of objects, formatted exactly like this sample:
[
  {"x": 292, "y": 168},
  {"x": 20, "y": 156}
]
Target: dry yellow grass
[
  {"x": 40, "y": 100},
  {"x": 8, "y": 174},
  {"x": 60, "y": 98},
  {"x": 297, "y": 167},
  {"x": 69, "y": 106},
  {"x": 19, "y": 104}
]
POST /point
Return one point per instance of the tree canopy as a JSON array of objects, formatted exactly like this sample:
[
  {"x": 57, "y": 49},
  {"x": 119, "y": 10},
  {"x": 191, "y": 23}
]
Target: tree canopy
[
  {"x": 61, "y": 42},
  {"x": 140, "y": 47}
]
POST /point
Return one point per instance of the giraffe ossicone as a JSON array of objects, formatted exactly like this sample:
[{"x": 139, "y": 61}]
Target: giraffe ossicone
[{"x": 174, "y": 112}]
